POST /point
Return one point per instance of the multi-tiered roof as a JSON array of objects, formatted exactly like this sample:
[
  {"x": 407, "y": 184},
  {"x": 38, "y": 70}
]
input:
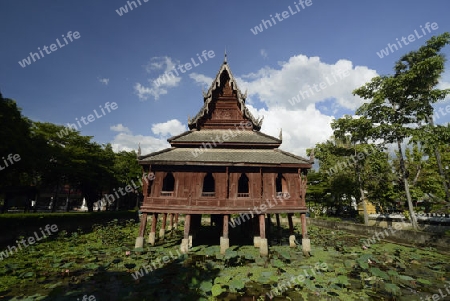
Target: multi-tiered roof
[{"x": 225, "y": 132}]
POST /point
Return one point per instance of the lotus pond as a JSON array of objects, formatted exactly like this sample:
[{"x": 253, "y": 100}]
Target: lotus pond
[{"x": 103, "y": 263}]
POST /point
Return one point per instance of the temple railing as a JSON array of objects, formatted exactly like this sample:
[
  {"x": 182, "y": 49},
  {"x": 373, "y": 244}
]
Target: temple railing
[
  {"x": 243, "y": 195},
  {"x": 166, "y": 193},
  {"x": 208, "y": 194}
]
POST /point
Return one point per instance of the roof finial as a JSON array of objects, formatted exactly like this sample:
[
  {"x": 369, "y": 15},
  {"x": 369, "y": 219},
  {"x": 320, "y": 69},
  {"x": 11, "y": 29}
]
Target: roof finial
[
  {"x": 281, "y": 134},
  {"x": 225, "y": 59},
  {"x": 139, "y": 150}
]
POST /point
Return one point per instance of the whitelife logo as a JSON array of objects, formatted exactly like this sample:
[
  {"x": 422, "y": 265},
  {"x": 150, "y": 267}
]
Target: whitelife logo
[
  {"x": 31, "y": 240},
  {"x": 27, "y": 61},
  {"x": 168, "y": 74},
  {"x": 10, "y": 158},
  {"x": 124, "y": 9},
  {"x": 411, "y": 38},
  {"x": 90, "y": 118},
  {"x": 284, "y": 15}
]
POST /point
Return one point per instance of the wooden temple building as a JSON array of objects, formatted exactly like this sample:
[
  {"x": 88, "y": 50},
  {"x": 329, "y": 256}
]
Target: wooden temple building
[{"x": 223, "y": 165}]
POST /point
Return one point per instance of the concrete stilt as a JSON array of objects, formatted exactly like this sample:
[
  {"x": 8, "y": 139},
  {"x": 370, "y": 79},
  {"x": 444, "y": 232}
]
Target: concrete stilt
[
  {"x": 224, "y": 244},
  {"x": 187, "y": 239},
  {"x": 152, "y": 238},
  {"x": 306, "y": 246},
  {"x": 256, "y": 241},
  {"x": 169, "y": 228},
  {"x": 162, "y": 231},
  {"x": 175, "y": 224},
  {"x": 139, "y": 242},
  {"x": 184, "y": 248},
  {"x": 152, "y": 234},
  {"x": 140, "y": 239},
  {"x": 263, "y": 245},
  {"x": 292, "y": 241},
  {"x": 224, "y": 240},
  {"x": 190, "y": 241}
]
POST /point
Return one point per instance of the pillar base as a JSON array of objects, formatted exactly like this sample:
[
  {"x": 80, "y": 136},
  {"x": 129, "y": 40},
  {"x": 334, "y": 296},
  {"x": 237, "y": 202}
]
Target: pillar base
[
  {"x": 139, "y": 242},
  {"x": 263, "y": 247},
  {"x": 190, "y": 241},
  {"x": 175, "y": 226},
  {"x": 224, "y": 244},
  {"x": 184, "y": 248},
  {"x": 152, "y": 238},
  {"x": 306, "y": 246},
  {"x": 256, "y": 241},
  {"x": 162, "y": 232},
  {"x": 292, "y": 241}
]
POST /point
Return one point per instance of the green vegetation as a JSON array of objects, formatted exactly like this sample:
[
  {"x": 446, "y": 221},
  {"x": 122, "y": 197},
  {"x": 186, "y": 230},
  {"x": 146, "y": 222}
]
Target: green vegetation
[
  {"x": 356, "y": 164},
  {"x": 53, "y": 156},
  {"x": 102, "y": 263}
]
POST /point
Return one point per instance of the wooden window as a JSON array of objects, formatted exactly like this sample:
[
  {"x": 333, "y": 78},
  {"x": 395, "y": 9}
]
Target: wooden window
[
  {"x": 168, "y": 185},
  {"x": 281, "y": 186},
  {"x": 243, "y": 186},
  {"x": 208, "y": 185}
]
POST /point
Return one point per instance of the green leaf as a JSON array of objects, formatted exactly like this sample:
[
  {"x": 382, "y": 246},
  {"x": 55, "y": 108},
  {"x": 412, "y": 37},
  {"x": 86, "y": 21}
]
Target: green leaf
[{"x": 216, "y": 290}]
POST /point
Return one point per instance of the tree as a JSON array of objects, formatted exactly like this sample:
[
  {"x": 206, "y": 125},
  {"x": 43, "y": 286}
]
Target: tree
[
  {"x": 398, "y": 101},
  {"x": 126, "y": 169},
  {"x": 422, "y": 70}
]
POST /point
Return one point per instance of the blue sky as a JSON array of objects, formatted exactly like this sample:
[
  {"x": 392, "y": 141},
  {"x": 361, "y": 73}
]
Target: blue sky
[{"x": 116, "y": 58}]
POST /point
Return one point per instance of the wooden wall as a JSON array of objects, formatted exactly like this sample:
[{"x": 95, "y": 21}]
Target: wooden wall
[{"x": 189, "y": 186}]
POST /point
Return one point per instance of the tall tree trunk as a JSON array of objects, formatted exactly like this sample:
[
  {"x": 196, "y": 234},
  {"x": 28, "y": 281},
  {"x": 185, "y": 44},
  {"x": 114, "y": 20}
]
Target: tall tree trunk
[
  {"x": 412, "y": 215},
  {"x": 361, "y": 190}
]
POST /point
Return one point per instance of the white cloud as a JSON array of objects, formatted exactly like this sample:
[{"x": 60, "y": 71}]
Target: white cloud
[
  {"x": 305, "y": 123},
  {"x": 129, "y": 142},
  {"x": 104, "y": 81},
  {"x": 277, "y": 86},
  {"x": 308, "y": 122},
  {"x": 172, "y": 127},
  {"x": 301, "y": 129},
  {"x": 126, "y": 141},
  {"x": 263, "y": 53},
  {"x": 165, "y": 80},
  {"x": 119, "y": 128},
  {"x": 444, "y": 84},
  {"x": 201, "y": 80}
]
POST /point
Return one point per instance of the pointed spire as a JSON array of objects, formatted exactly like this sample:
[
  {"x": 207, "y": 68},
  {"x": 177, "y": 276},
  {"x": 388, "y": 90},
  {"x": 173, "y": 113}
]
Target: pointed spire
[
  {"x": 225, "y": 58},
  {"x": 281, "y": 134},
  {"x": 139, "y": 150}
]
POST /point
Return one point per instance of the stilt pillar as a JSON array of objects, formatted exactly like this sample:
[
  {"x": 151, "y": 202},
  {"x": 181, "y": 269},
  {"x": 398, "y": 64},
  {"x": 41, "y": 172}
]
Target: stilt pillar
[
  {"x": 152, "y": 234},
  {"x": 255, "y": 230},
  {"x": 162, "y": 231},
  {"x": 291, "y": 224},
  {"x": 306, "y": 243},
  {"x": 175, "y": 225},
  {"x": 291, "y": 231},
  {"x": 224, "y": 240},
  {"x": 170, "y": 222},
  {"x": 263, "y": 245},
  {"x": 140, "y": 239},
  {"x": 277, "y": 216},
  {"x": 185, "y": 241}
]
